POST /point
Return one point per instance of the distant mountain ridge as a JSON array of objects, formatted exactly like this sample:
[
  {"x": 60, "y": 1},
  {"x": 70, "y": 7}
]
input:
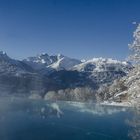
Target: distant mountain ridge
[
  {"x": 61, "y": 62},
  {"x": 45, "y": 72}
]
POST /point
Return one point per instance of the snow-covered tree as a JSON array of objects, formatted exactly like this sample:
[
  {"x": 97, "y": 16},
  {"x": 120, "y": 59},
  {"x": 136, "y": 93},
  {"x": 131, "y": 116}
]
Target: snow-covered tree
[
  {"x": 135, "y": 46},
  {"x": 50, "y": 95}
]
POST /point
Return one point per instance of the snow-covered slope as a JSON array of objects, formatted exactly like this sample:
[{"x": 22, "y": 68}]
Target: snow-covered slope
[
  {"x": 64, "y": 63},
  {"x": 103, "y": 64}
]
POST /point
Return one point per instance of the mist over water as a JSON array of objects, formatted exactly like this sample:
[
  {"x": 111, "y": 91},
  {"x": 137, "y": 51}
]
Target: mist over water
[{"x": 40, "y": 120}]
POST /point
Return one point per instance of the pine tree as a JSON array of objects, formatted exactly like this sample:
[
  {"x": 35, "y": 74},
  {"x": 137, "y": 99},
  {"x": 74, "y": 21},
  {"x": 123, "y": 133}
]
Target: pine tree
[{"x": 135, "y": 46}]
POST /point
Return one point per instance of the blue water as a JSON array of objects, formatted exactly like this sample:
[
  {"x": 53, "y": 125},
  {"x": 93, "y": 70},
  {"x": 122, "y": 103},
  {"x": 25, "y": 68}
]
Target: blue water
[{"x": 22, "y": 119}]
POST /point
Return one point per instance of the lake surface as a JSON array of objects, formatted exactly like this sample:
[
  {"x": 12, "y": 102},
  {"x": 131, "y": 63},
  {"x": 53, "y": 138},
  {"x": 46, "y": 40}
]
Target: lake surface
[{"x": 22, "y": 119}]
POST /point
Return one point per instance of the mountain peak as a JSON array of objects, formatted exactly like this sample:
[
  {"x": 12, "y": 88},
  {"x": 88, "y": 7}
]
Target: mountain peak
[
  {"x": 43, "y": 54},
  {"x": 4, "y": 56},
  {"x": 3, "y": 53},
  {"x": 59, "y": 56}
]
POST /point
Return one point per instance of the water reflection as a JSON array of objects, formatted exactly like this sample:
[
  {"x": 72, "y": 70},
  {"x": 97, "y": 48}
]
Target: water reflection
[
  {"x": 40, "y": 120},
  {"x": 134, "y": 123},
  {"x": 28, "y": 107},
  {"x": 97, "y": 109}
]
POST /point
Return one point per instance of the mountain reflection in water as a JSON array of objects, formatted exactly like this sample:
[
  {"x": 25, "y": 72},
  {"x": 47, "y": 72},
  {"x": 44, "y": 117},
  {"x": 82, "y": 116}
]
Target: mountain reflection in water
[{"x": 39, "y": 120}]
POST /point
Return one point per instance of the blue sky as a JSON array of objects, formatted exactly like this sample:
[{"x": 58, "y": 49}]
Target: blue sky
[{"x": 76, "y": 28}]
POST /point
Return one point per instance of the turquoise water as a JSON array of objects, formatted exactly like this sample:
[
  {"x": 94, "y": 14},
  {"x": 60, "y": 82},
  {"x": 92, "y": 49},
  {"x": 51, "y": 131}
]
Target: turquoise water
[{"x": 22, "y": 119}]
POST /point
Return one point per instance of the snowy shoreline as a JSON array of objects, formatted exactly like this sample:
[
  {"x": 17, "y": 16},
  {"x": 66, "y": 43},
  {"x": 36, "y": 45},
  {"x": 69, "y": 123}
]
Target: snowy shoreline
[
  {"x": 132, "y": 103},
  {"x": 123, "y": 104}
]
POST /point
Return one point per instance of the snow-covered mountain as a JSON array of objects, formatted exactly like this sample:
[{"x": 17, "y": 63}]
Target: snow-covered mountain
[
  {"x": 61, "y": 62},
  {"x": 17, "y": 77},
  {"x": 104, "y": 71},
  {"x": 53, "y": 62},
  {"x": 53, "y": 72}
]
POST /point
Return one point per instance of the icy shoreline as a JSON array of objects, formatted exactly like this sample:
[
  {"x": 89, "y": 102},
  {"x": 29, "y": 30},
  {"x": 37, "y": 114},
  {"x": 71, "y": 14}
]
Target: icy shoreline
[
  {"x": 123, "y": 104},
  {"x": 132, "y": 103}
]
